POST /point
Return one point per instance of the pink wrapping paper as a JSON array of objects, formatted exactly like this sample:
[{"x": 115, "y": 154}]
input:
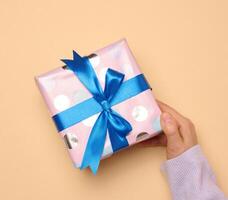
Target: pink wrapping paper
[{"x": 61, "y": 89}]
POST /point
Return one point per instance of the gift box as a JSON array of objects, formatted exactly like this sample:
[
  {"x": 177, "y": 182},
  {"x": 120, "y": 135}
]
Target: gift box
[{"x": 100, "y": 103}]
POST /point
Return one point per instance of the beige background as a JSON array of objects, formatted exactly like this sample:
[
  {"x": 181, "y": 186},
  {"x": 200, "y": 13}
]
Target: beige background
[{"x": 182, "y": 48}]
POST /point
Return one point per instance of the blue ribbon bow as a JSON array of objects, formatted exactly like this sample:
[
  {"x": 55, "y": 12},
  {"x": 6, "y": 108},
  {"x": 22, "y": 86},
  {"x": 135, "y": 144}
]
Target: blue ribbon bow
[
  {"x": 108, "y": 120},
  {"x": 115, "y": 91}
]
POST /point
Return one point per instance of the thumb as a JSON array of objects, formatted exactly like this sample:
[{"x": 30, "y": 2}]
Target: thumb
[{"x": 170, "y": 128}]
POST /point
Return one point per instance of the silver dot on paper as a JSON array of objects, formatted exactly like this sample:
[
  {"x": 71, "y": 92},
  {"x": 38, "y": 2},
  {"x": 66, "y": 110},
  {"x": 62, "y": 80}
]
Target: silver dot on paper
[
  {"x": 142, "y": 136},
  {"x": 71, "y": 140}
]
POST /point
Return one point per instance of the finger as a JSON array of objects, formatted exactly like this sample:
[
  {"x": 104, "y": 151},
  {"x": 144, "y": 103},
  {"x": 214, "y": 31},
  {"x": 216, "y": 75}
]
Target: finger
[
  {"x": 171, "y": 130},
  {"x": 186, "y": 128},
  {"x": 165, "y": 108},
  {"x": 159, "y": 140},
  {"x": 188, "y": 133}
]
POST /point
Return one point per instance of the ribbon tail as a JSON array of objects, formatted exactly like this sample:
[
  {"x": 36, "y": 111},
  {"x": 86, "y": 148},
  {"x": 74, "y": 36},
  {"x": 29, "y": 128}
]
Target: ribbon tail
[
  {"x": 117, "y": 141},
  {"x": 95, "y": 144},
  {"x": 118, "y": 129}
]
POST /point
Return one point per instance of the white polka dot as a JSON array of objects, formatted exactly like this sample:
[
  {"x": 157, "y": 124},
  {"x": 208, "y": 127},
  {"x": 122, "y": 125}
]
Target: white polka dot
[
  {"x": 107, "y": 151},
  {"x": 79, "y": 96},
  {"x": 156, "y": 124},
  {"x": 61, "y": 102},
  {"x": 128, "y": 69},
  {"x": 108, "y": 147},
  {"x": 76, "y": 165},
  {"x": 50, "y": 84},
  {"x": 117, "y": 53},
  {"x": 139, "y": 113},
  {"x": 102, "y": 74},
  {"x": 90, "y": 121},
  {"x": 94, "y": 61}
]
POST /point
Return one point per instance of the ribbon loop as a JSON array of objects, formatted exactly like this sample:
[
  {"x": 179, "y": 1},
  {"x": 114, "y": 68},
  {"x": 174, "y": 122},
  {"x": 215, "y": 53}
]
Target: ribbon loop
[
  {"x": 85, "y": 73},
  {"x": 113, "y": 81}
]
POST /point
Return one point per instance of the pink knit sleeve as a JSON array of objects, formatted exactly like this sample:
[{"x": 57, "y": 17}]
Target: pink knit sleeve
[{"x": 190, "y": 177}]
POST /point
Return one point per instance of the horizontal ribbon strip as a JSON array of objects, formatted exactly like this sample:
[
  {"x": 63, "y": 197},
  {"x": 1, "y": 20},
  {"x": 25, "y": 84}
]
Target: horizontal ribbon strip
[{"x": 79, "y": 112}]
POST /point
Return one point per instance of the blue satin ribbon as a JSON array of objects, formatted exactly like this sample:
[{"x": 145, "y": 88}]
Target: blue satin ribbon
[{"x": 110, "y": 121}]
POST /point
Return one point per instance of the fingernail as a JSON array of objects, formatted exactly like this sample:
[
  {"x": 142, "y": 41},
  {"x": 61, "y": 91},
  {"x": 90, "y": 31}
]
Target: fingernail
[{"x": 167, "y": 118}]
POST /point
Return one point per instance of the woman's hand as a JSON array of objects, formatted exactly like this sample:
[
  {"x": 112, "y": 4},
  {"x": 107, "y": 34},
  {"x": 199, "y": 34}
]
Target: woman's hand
[{"x": 179, "y": 132}]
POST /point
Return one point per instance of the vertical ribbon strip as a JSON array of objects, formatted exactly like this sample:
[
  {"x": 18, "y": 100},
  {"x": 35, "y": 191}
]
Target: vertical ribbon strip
[{"x": 108, "y": 120}]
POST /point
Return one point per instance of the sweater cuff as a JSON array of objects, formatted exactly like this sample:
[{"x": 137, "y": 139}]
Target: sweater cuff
[{"x": 175, "y": 169}]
